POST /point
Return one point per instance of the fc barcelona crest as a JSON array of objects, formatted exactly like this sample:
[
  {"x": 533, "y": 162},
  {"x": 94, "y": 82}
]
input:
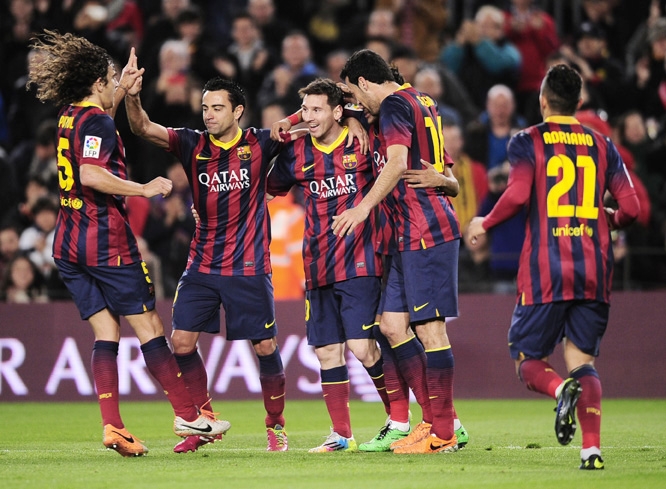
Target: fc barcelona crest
[
  {"x": 349, "y": 161},
  {"x": 244, "y": 152}
]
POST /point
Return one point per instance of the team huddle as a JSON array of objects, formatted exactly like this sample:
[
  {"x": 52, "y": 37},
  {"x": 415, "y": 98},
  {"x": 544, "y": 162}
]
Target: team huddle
[{"x": 380, "y": 246}]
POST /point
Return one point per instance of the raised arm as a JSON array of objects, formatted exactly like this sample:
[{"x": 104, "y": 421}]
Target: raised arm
[{"x": 139, "y": 122}]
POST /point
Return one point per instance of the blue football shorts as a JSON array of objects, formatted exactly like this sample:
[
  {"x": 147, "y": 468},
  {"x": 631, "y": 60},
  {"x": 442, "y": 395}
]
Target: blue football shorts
[
  {"x": 342, "y": 311},
  {"x": 248, "y": 303},
  {"x": 537, "y": 329},
  {"x": 424, "y": 283},
  {"x": 123, "y": 290}
]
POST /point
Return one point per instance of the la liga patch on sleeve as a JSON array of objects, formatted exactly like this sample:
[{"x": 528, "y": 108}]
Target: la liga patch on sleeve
[{"x": 91, "y": 146}]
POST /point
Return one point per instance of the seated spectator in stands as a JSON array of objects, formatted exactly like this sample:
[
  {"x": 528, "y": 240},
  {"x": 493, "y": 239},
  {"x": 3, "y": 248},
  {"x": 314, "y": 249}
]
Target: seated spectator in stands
[
  {"x": 161, "y": 28},
  {"x": 631, "y": 132},
  {"x": 481, "y": 56},
  {"x": 505, "y": 241},
  {"x": 273, "y": 28},
  {"x": 116, "y": 25},
  {"x": 252, "y": 58},
  {"x": 380, "y": 45},
  {"x": 471, "y": 175},
  {"x": 170, "y": 227},
  {"x": 191, "y": 29},
  {"x": 37, "y": 157},
  {"x": 294, "y": 72},
  {"x": 419, "y": 23},
  {"x": 335, "y": 61},
  {"x": 646, "y": 90},
  {"x": 173, "y": 99},
  {"x": 9, "y": 245},
  {"x": 604, "y": 76},
  {"x": 24, "y": 111},
  {"x": 22, "y": 282},
  {"x": 428, "y": 80},
  {"x": 534, "y": 34},
  {"x": 487, "y": 137},
  {"x": 20, "y": 214}
]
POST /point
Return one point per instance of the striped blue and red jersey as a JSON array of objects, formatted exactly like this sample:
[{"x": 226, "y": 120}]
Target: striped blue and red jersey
[
  {"x": 228, "y": 183},
  {"x": 384, "y": 241},
  {"x": 333, "y": 178},
  {"x": 561, "y": 171},
  {"x": 92, "y": 227},
  {"x": 423, "y": 217}
]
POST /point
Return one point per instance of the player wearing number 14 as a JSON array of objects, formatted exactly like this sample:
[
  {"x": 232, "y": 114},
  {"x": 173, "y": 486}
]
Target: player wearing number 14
[{"x": 560, "y": 171}]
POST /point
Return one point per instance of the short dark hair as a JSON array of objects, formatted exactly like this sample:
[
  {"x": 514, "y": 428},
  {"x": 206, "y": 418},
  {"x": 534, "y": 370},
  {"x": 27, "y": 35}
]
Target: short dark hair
[
  {"x": 561, "y": 87},
  {"x": 369, "y": 65},
  {"x": 236, "y": 93},
  {"x": 324, "y": 86}
]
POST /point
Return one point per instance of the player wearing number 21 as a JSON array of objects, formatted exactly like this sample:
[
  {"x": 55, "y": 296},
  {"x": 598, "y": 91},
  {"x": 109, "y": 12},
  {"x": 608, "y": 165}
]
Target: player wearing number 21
[
  {"x": 561, "y": 171},
  {"x": 422, "y": 283}
]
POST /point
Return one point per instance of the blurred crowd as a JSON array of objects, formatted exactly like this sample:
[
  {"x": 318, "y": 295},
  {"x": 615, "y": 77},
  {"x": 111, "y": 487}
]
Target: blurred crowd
[{"x": 483, "y": 62}]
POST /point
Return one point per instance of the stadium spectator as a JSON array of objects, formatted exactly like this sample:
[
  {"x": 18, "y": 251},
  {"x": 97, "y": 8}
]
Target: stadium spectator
[
  {"x": 428, "y": 79},
  {"x": 9, "y": 245},
  {"x": 36, "y": 158},
  {"x": 419, "y": 23},
  {"x": 274, "y": 28},
  {"x": 94, "y": 248},
  {"x": 229, "y": 198},
  {"x": 572, "y": 302},
  {"x": 252, "y": 58},
  {"x": 295, "y": 71},
  {"x": 481, "y": 56},
  {"x": 22, "y": 282},
  {"x": 486, "y": 138},
  {"x": 533, "y": 32}
]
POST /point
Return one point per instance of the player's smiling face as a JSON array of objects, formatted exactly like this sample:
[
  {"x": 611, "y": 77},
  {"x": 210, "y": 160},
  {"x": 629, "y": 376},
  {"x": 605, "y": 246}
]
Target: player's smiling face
[
  {"x": 321, "y": 118},
  {"x": 220, "y": 119}
]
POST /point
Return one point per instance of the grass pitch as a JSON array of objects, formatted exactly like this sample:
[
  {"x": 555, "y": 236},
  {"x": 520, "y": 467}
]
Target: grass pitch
[{"x": 512, "y": 445}]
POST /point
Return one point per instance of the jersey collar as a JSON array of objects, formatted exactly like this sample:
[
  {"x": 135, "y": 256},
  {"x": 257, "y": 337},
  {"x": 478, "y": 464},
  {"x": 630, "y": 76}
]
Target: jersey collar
[
  {"x": 87, "y": 104},
  {"x": 328, "y": 149},
  {"x": 228, "y": 145},
  {"x": 562, "y": 119}
]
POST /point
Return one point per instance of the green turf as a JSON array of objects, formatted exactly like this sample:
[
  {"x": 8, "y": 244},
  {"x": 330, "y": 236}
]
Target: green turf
[{"x": 512, "y": 445}]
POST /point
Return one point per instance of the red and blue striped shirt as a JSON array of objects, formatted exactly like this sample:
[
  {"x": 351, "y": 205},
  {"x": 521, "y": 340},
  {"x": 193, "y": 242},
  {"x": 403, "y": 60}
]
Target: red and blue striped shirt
[
  {"x": 423, "y": 217},
  {"x": 333, "y": 178},
  {"x": 228, "y": 183},
  {"x": 92, "y": 227},
  {"x": 561, "y": 170}
]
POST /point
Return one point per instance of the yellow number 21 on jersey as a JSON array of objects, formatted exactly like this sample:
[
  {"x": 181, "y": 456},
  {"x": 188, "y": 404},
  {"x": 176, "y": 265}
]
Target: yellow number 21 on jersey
[{"x": 587, "y": 209}]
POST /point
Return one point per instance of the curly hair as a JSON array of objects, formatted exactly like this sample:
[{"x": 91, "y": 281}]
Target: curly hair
[{"x": 66, "y": 67}]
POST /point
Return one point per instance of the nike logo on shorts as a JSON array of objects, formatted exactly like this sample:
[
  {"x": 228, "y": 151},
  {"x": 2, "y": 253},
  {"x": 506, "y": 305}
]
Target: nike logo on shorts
[
  {"x": 269, "y": 325},
  {"x": 418, "y": 308},
  {"x": 365, "y": 328}
]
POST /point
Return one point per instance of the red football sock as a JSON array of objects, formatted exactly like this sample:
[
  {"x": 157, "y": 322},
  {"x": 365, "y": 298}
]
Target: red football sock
[
  {"x": 540, "y": 377},
  {"x": 162, "y": 365},
  {"x": 589, "y": 406},
  {"x": 335, "y": 388},
  {"x": 195, "y": 377},
  {"x": 272, "y": 378},
  {"x": 439, "y": 374},
  {"x": 412, "y": 365},
  {"x": 105, "y": 374}
]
